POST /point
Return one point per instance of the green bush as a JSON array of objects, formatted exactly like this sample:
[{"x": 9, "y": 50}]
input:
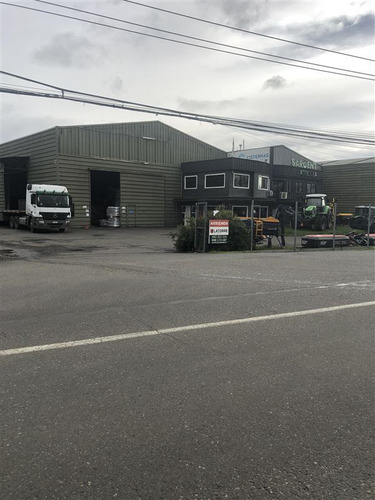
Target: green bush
[
  {"x": 239, "y": 236},
  {"x": 183, "y": 239}
]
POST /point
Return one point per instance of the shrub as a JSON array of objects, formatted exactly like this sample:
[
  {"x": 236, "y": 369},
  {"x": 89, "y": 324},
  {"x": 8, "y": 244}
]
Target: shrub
[
  {"x": 239, "y": 236},
  {"x": 183, "y": 239}
]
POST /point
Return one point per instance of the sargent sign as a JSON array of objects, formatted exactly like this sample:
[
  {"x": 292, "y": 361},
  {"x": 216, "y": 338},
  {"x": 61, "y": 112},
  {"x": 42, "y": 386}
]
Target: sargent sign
[{"x": 218, "y": 231}]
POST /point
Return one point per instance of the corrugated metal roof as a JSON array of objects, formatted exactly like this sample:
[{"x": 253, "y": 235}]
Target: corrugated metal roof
[{"x": 349, "y": 161}]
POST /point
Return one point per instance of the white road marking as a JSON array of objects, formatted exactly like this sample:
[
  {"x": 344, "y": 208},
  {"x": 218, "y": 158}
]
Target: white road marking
[{"x": 166, "y": 331}]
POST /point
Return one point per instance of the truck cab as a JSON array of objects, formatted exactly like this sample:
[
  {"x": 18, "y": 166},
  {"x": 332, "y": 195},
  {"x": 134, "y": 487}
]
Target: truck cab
[{"x": 46, "y": 206}]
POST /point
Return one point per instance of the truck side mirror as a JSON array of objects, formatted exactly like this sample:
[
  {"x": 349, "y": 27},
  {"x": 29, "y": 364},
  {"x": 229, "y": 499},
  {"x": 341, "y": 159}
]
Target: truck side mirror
[{"x": 28, "y": 187}]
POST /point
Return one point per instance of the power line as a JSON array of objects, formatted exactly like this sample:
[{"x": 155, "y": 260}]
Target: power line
[
  {"x": 248, "y": 31},
  {"x": 71, "y": 95},
  {"x": 201, "y": 39},
  {"x": 187, "y": 43}
]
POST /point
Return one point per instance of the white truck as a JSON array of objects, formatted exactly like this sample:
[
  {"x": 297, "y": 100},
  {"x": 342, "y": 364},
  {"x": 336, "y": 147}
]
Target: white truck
[{"x": 46, "y": 206}]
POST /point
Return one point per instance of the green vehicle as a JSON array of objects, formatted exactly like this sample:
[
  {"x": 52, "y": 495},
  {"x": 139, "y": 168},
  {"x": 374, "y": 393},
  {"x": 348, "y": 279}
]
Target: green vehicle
[
  {"x": 317, "y": 213},
  {"x": 360, "y": 218}
]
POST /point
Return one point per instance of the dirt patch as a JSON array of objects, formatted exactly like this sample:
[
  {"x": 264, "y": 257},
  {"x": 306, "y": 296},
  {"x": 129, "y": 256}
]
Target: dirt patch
[
  {"x": 7, "y": 253},
  {"x": 29, "y": 250}
]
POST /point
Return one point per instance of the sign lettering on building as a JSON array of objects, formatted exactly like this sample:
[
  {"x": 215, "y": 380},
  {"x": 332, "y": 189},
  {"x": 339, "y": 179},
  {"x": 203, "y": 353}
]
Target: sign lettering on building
[
  {"x": 258, "y": 154},
  {"x": 305, "y": 164},
  {"x": 309, "y": 173}
]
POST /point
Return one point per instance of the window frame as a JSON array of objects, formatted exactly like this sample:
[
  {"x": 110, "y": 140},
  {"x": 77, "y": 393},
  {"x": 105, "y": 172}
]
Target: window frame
[
  {"x": 260, "y": 177},
  {"x": 240, "y": 206},
  {"x": 299, "y": 184},
  {"x": 212, "y": 175},
  {"x": 310, "y": 185},
  {"x": 259, "y": 209},
  {"x": 196, "y": 182},
  {"x": 245, "y": 175}
]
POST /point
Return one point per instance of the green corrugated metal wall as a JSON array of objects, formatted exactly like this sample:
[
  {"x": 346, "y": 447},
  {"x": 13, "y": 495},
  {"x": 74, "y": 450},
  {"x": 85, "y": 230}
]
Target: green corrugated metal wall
[
  {"x": 351, "y": 185},
  {"x": 151, "y": 142},
  {"x": 152, "y": 188},
  {"x": 42, "y": 153},
  {"x": 147, "y": 155}
]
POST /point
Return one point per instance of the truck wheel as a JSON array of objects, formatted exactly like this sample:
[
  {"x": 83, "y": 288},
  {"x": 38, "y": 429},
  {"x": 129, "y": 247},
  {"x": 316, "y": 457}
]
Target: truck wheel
[
  {"x": 32, "y": 227},
  {"x": 16, "y": 223},
  {"x": 62, "y": 230},
  {"x": 11, "y": 222}
]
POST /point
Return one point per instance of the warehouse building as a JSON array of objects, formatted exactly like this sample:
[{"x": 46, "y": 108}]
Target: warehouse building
[
  {"x": 156, "y": 174},
  {"x": 134, "y": 166},
  {"x": 270, "y": 177},
  {"x": 351, "y": 182}
]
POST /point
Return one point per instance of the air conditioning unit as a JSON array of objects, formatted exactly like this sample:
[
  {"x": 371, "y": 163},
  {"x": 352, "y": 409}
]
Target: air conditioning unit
[{"x": 283, "y": 195}]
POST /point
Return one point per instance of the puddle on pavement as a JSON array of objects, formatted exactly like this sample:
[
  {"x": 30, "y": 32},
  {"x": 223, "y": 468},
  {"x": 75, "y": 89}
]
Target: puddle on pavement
[{"x": 5, "y": 252}]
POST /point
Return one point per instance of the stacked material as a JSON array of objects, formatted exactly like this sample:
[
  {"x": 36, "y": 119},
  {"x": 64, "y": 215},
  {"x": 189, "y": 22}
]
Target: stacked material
[{"x": 113, "y": 214}]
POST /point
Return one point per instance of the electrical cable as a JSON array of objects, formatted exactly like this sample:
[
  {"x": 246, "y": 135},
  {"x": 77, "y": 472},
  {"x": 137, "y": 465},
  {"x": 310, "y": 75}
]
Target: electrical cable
[
  {"x": 232, "y": 122},
  {"x": 201, "y": 39},
  {"x": 186, "y": 43},
  {"x": 248, "y": 31}
]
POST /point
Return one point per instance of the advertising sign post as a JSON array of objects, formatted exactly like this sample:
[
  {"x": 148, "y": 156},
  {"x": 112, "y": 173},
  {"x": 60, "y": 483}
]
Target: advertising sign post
[{"x": 218, "y": 231}]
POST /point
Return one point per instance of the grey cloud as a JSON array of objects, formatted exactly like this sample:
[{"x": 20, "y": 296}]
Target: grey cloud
[
  {"x": 117, "y": 84},
  {"x": 338, "y": 33},
  {"x": 275, "y": 82},
  {"x": 208, "y": 106},
  {"x": 341, "y": 31},
  {"x": 68, "y": 50},
  {"x": 240, "y": 14}
]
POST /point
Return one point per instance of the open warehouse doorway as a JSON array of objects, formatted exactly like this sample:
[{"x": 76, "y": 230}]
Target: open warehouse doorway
[{"x": 105, "y": 192}]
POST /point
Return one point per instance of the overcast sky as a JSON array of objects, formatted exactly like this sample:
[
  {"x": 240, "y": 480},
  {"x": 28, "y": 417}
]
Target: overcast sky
[{"x": 109, "y": 62}]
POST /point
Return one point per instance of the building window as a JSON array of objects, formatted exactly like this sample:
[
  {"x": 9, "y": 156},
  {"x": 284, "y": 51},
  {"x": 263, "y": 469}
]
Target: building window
[
  {"x": 239, "y": 211},
  {"x": 288, "y": 186},
  {"x": 310, "y": 188},
  {"x": 278, "y": 186},
  {"x": 263, "y": 182},
  {"x": 241, "y": 181},
  {"x": 260, "y": 211},
  {"x": 299, "y": 187},
  {"x": 214, "y": 181},
  {"x": 190, "y": 182}
]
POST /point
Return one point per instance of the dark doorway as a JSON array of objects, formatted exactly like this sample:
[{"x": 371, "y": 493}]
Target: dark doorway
[
  {"x": 105, "y": 192},
  {"x": 15, "y": 180}
]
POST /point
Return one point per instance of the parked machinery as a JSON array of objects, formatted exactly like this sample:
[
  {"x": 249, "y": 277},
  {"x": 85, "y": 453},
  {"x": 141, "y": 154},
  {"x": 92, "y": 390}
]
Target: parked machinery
[
  {"x": 360, "y": 219},
  {"x": 317, "y": 212}
]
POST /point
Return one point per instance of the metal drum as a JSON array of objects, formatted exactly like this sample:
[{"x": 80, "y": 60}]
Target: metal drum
[
  {"x": 113, "y": 212},
  {"x": 113, "y": 222}
]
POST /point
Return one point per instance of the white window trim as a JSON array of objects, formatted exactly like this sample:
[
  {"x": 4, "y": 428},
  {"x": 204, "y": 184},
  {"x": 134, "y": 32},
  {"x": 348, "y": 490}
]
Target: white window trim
[
  {"x": 241, "y": 206},
  {"x": 196, "y": 181},
  {"x": 259, "y": 182},
  {"x": 241, "y": 187},
  {"x": 214, "y": 187}
]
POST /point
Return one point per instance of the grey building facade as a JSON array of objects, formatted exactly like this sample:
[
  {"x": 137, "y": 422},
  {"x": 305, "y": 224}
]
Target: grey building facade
[
  {"x": 134, "y": 166},
  {"x": 266, "y": 176}
]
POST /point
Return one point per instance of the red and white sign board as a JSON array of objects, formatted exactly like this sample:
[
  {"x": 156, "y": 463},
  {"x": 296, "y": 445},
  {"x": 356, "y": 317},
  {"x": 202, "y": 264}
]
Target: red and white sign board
[{"x": 219, "y": 228}]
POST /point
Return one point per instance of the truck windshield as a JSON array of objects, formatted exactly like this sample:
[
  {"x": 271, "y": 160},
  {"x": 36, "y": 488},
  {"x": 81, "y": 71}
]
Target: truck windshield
[
  {"x": 363, "y": 210},
  {"x": 53, "y": 200},
  {"x": 317, "y": 202}
]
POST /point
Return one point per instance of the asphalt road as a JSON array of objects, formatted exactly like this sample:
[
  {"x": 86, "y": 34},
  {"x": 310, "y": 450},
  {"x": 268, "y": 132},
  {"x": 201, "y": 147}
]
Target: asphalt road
[{"x": 156, "y": 375}]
